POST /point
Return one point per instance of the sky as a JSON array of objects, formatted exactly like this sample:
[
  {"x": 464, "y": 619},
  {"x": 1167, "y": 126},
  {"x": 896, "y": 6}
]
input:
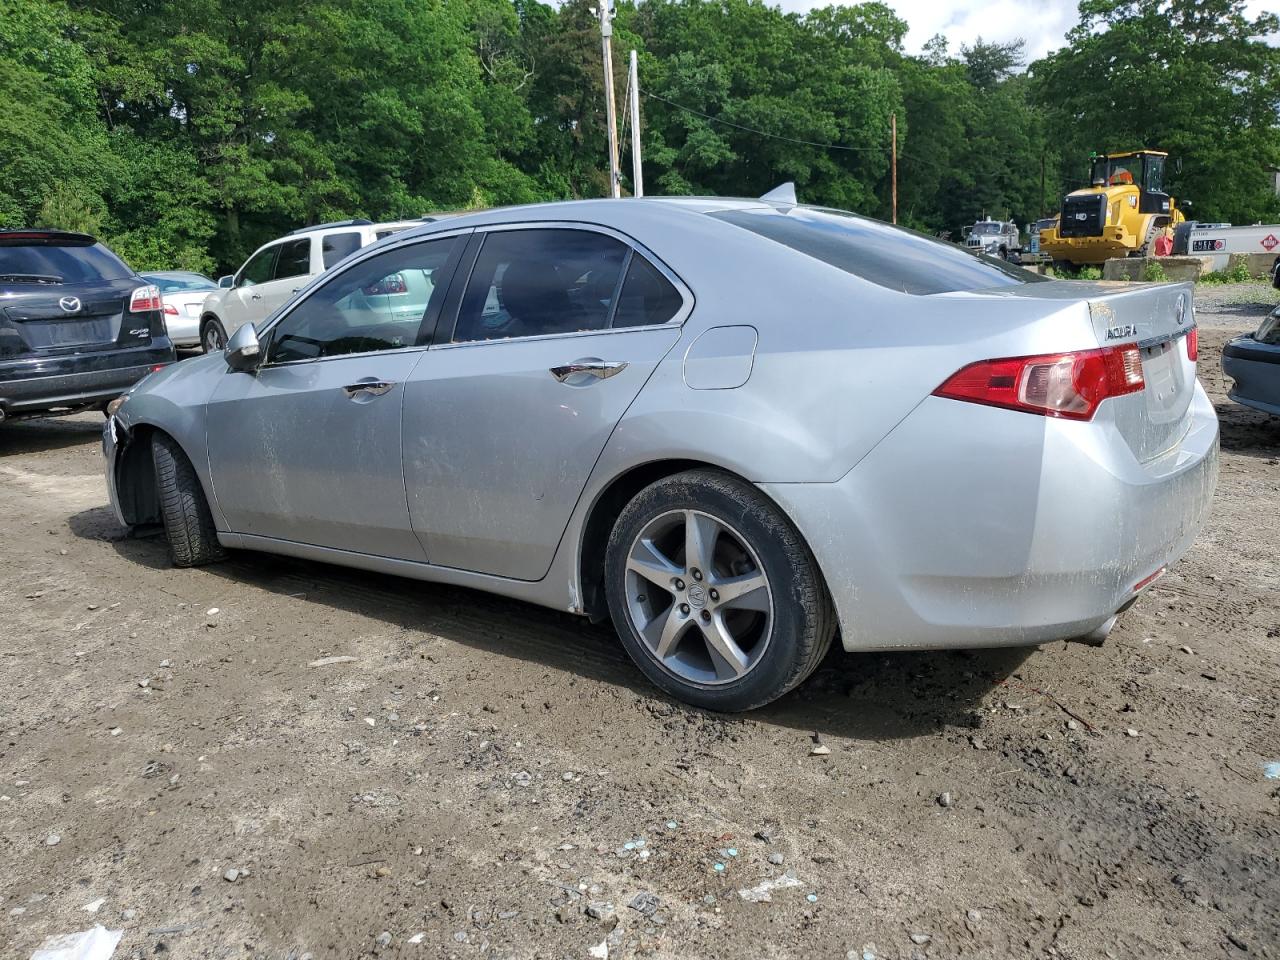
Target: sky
[{"x": 1041, "y": 23}]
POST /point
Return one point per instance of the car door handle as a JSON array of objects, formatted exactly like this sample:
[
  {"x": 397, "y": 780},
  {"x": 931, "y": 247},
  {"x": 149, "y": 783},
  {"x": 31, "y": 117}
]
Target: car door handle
[
  {"x": 373, "y": 388},
  {"x": 591, "y": 367}
]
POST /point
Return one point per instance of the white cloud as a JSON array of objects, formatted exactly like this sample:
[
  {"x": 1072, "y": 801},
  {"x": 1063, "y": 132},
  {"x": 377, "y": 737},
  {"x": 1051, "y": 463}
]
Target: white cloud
[{"x": 1043, "y": 24}]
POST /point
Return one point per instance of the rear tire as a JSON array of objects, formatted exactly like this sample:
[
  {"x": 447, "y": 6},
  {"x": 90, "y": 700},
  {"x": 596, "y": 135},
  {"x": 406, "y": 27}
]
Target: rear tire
[
  {"x": 212, "y": 335},
  {"x": 771, "y": 613},
  {"x": 188, "y": 524}
]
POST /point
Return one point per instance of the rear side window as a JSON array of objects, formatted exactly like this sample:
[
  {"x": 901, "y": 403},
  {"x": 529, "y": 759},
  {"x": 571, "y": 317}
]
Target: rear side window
[
  {"x": 74, "y": 263},
  {"x": 529, "y": 283},
  {"x": 892, "y": 257},
  {"x": 294, "y": 260},
  {"x": 335, "y": 246},
  {"x": 647, "y": 296}
]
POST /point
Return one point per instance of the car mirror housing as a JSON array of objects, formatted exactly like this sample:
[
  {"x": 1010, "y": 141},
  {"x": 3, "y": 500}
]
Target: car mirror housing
[
  {"x": 243, "y": 351},
  {"x": 227, "y": 282}
]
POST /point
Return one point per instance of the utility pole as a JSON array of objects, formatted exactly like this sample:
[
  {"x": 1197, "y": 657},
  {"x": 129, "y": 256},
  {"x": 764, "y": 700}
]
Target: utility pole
[
  {"x": 633, "y": 83},
  {"x": 893, "y": 122},
  {"x": 1041, "y": 184},
  {"x": 605, "y": 13}
]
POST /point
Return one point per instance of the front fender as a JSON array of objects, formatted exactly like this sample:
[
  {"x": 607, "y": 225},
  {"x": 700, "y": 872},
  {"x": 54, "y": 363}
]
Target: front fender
[{"x": 175, "y": 400}]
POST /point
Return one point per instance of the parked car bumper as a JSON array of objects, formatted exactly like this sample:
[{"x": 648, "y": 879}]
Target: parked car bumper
[
  {"x": 82, "y": 379},
  {"x": 1255, "y": 368},
  {"x": 970, "y": 526}
]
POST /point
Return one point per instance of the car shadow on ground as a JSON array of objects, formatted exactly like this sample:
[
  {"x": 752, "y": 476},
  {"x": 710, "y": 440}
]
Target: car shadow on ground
[
  {"x": 880, "y": 696},
  {"x": 41, "y": 434},
  {"x": 1248, "y": 432}
]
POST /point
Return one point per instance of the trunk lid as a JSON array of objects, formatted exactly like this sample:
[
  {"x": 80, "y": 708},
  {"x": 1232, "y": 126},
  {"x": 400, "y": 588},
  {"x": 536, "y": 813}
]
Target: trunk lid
[
  {"x": 1156, "y": 318},
  {"x": 57, "y": 318}
]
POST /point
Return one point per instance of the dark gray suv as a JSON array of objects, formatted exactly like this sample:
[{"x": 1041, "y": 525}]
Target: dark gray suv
[{"x": 77, "y": 326}]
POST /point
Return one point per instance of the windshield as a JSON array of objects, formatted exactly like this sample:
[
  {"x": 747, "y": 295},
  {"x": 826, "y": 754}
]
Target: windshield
[
  {"x": 172, "y": 284},
  {"x": 987, "y": 228},
  {"x": 48, "y": 263},
  {"x": 892, "y": 257},
  {"x": 1116, "y": 172}
]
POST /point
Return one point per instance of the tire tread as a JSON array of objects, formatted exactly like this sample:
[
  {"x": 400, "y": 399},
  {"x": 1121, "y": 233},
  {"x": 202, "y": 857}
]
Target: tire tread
[{"x": 188, "y": 523}]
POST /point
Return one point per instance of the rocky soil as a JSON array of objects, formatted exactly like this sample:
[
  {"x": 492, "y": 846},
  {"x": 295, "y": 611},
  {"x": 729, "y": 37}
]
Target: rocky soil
[{"x": 270, "y": 758}]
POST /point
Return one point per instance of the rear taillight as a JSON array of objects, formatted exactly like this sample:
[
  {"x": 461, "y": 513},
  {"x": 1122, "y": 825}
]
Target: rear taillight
[
  {"x": 1193, "y": 344},
  {"x": 170, "y": 310},
  {"x": 1069, "y": 385},
  {"x": 144, "y": 299}
]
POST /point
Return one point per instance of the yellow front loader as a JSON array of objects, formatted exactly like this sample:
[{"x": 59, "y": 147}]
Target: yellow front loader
[{"x": 1120, "y": 214}]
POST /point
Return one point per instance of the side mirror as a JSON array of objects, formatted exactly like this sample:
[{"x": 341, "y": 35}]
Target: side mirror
[
  {"x": 227, "y": 282},
  {"x": 243, "y": 351}
]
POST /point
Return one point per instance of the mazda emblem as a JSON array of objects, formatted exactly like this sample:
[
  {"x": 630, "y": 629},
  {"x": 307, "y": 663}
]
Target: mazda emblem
[{"x": 70, "y": 304}]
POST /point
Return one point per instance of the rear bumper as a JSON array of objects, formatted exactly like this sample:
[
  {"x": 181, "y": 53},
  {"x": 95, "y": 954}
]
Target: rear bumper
[
  {"x": 30, "y": 386},
  {"x": 1255, "y": 368},
  {"x": 970, "y": 526}
]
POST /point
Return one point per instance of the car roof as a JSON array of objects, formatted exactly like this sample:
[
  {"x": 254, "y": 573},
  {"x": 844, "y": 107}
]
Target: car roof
[{"x": 605, "y": 210}]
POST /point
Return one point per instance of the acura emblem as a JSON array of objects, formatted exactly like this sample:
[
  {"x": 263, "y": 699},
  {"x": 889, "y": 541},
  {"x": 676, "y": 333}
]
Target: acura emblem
[{"x": 70, "y": 304}]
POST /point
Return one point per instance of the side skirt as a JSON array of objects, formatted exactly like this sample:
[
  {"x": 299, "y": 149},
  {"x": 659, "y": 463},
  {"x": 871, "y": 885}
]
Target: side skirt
[{"x": 541, "y": 592}]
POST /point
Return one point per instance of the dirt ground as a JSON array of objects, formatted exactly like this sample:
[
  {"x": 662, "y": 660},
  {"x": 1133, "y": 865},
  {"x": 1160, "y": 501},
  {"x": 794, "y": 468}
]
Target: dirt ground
[{"x": 488, "y": 779}]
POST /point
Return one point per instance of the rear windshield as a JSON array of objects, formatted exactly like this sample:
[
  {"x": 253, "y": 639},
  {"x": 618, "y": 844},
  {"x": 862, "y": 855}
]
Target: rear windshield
[
  {"x": 172, "y": 284},
  {"x": 41, "y": 263},
  {"x": 892, "y": 257}
]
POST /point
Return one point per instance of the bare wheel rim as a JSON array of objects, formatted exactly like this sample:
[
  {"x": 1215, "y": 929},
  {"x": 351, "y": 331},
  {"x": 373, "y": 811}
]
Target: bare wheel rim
[
  {"x": 698, "y": 597},
  {"x": 212, "y": 338}
]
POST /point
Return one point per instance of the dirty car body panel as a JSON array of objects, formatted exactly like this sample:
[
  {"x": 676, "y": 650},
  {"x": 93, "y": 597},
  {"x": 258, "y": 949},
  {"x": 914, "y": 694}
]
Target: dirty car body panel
[
  {"x": 793, "y": 355},
  {"x": 1253, "y": 362}
]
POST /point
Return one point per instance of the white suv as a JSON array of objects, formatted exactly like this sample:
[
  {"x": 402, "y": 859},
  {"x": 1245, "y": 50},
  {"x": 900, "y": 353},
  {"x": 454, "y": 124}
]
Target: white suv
[{"x": 279, "y": 269}]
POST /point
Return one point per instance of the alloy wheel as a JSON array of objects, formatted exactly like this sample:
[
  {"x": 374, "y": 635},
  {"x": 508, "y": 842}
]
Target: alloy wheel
[
  {"x": 212, "y": 338},
  {"x": 698, "y": 597}
]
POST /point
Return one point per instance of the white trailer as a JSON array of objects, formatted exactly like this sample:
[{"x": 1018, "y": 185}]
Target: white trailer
[{"x": 1220, "y": 241}]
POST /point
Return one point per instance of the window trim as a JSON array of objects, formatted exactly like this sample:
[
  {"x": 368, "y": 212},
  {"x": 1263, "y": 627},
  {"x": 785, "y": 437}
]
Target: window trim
[
  {"x": 456, "y": 258},
  {"x": 448, "y": 322}
]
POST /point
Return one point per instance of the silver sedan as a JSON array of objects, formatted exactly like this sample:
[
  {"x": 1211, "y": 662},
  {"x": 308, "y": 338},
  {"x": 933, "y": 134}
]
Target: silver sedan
[{"x": 737, "y": 428}]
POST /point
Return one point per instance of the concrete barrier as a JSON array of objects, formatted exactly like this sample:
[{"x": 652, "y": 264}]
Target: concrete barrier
[
  {"x": 1258, "y": 264},
  {"x": 1137, "y": 268}
]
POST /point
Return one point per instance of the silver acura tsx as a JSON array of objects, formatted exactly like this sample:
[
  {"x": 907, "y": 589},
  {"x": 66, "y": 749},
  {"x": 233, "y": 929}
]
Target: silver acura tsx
[{"x": 736, "y": 427}]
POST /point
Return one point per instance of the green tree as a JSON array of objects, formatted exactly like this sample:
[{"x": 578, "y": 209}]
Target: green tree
[{"x": 1194, "y": 77}]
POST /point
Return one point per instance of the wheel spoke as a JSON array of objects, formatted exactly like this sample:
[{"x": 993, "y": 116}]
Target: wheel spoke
[
  {"x": 663, "y": 632},
  {"x": 700, "y": 534},
  {"x": 729, "y": 659},
  {"x": 747, "y": 592},
  {"x": 648, "y": 561}
]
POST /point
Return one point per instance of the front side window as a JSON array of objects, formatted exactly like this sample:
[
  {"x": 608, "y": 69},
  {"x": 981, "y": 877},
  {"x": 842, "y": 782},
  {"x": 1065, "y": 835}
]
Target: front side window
[
  {"x": 336, "y": 246},
  {"x": 294, "y": 260},
  {"x": 378, "y": 304},
  {"x": 258, "y": 269},
  {"x": 529, "y": 283}
]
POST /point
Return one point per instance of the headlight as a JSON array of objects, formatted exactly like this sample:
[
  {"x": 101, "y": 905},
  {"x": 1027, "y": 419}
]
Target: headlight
[{"x": 116, "y": 404}]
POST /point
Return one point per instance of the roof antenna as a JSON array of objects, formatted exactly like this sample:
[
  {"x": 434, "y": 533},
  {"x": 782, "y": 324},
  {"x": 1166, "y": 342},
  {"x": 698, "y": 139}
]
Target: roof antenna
[{"x": 783, "y": 193}]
